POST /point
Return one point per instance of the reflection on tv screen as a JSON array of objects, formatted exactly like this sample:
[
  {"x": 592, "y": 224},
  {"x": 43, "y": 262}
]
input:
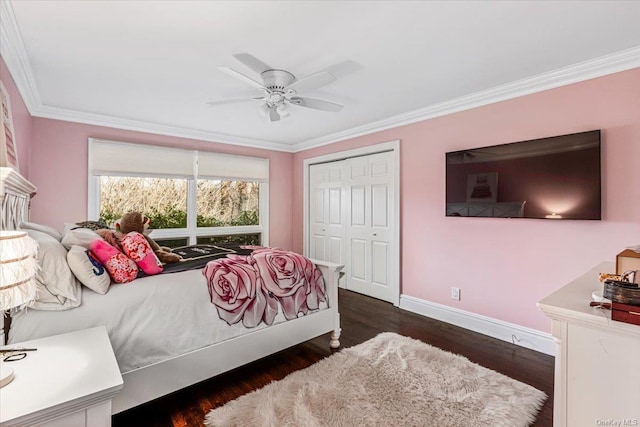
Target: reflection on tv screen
[{"x": 549, "y": 178}]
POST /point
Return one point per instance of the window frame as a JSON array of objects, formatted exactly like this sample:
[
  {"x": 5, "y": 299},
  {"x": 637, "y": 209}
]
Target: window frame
[{"x": 192, "y": 231}]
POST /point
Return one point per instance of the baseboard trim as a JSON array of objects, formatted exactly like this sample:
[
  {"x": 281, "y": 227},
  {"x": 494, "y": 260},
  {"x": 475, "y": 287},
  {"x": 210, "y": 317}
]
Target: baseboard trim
[{"x": 510, "y": 332}]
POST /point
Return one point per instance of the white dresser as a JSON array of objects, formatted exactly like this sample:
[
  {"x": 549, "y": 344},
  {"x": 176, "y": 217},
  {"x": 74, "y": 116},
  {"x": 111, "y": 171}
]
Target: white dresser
[
  {"x": 597, "y": 371},
  {"x": 69, "y": 381}
]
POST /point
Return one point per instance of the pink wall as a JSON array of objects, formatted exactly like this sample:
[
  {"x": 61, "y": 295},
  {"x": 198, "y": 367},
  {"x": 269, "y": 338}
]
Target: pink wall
[
  {"x": 59, "y": 170},
  {"x": 502, "y": 266},
  {"x": 22, "y": 121}
]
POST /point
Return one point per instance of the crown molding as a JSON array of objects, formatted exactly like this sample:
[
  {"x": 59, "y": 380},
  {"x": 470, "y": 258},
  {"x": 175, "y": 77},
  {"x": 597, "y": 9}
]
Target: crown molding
[
  {"x": 155, "y": 128},
  {"x": 15, "y": 56},
  {"x": 598, "y": 67}
]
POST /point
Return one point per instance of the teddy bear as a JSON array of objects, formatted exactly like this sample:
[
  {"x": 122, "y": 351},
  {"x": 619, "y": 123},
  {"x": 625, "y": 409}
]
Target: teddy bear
[{"x": 135, "y": 221}]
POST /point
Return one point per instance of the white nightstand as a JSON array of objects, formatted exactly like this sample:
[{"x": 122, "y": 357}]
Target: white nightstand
[{"x": 68, "y": 382}]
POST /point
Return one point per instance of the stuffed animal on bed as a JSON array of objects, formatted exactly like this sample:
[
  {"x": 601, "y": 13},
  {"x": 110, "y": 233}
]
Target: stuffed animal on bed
[{"x": 135, "y": 221}]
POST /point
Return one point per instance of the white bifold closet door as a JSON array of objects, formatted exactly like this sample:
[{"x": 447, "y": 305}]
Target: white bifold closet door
[
  {"x": 352, "y": 219},
  {"x": 327, "y": 216},
  {"x": 370, "y": 200}
]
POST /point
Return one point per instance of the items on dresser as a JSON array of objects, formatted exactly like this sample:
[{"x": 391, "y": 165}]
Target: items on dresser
[
  {"x": 628, "y": 260},
  {"x": 588, "y": 341},
  {"x": 625, "y": 300}
]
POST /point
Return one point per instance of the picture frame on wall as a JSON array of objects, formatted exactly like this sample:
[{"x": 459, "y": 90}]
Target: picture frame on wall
[
  {"x": 8, "y": 148},
  {"x": 482, "y": 187}
]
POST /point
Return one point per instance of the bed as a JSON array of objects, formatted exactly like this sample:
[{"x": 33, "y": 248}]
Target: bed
[{"x": 167, "y": 334}]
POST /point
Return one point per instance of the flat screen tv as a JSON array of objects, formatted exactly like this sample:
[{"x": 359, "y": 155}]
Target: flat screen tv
[{"x": 549, "y": 178}]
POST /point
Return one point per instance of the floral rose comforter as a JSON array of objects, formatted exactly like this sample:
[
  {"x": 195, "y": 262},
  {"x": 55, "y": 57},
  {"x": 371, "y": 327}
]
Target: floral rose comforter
[{"x": 252, "y": 288}]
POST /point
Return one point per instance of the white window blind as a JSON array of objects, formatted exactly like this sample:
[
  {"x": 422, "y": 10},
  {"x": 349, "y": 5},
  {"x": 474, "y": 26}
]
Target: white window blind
[
  {"x": 118, "y": 158},
  {"x": 227, "y": 166}
]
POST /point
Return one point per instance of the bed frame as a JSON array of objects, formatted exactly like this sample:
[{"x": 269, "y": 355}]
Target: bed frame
[
  {"x": 150, "y": 382},
  {"x": 156, "y": 380}
]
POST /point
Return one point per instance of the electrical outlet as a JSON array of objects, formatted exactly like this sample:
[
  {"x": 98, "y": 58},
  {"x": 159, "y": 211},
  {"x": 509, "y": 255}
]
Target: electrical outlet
[{"x": 455, "y": 294}]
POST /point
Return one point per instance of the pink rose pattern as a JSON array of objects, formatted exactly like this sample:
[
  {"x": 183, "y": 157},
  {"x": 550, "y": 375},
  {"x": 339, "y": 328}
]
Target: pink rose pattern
[
  {"x": 121, "y": 269},
  {"x": 250, "y": 288},
  {"x": 135, "y": 246},
  {"x": 235, "y": 290}
]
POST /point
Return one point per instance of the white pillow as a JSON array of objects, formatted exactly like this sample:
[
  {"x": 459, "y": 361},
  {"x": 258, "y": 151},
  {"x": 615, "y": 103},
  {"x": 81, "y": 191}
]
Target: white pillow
[
  {"x": 49, "y": 302},
  {"x": 80, "y": 237},
  {"x": 43, "y": 228},
  {"x": 89, "y": 271},
  {"x": 68, "y": 226},
  {"x": 58, "y": 288}
]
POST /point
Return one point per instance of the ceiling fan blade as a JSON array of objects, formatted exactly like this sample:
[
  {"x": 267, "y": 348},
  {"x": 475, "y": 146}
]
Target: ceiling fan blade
[
  {"x": 273, "y": 115},
  {"x": 242, "y": 77},
  {"x": 252, "y": 62},
  {"x": 312, "y": 82},
  {"x": 232, "y": 101},
  {"x": 316, "y": 104}
]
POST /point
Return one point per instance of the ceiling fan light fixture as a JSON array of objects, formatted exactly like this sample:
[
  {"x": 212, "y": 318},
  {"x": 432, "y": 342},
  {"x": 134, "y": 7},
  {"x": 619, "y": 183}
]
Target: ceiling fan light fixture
[
  {"x": 283, "y": 109},
  {"x": 264, "y": 110},
  {"x": 280, "y": 89}
]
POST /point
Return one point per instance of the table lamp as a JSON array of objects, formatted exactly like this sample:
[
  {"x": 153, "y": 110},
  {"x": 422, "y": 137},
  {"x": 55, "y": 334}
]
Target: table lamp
[{"x": 18, "y": 268}]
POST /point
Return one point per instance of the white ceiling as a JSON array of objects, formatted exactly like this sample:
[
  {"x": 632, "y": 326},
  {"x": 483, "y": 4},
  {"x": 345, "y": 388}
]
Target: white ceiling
[{"x": 152, "y": 65}]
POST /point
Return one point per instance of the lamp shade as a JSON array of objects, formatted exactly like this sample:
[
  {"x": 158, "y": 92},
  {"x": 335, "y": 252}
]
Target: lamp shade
[{"x": 18, "y": 268}]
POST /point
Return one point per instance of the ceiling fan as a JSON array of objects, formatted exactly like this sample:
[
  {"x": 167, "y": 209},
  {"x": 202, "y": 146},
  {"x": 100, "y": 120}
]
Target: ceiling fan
[{"x": 279, "y": 88}]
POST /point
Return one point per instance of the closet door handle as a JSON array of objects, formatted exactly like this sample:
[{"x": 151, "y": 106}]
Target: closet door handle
[{"x": 374, "y": 234}]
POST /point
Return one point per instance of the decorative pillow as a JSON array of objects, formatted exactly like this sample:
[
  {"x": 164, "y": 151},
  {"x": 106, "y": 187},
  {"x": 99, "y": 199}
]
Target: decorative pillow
[
  {"x": 136, "y": 247},
  {"x": 43, "y": 228},
  {"x": 91, "y": 225},
  {"x": 80, "y": 237},
  {"x": 120, "y": 268},
  {"x": 58, "y": 288},
  {"x": 89, "y": 271}
]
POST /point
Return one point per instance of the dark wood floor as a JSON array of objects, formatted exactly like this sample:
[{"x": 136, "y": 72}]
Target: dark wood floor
[{"x": 362, "y": 318}]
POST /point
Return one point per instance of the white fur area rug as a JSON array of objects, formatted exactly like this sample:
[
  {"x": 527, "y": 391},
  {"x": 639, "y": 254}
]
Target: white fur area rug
[{"x": 390, "y": 380}]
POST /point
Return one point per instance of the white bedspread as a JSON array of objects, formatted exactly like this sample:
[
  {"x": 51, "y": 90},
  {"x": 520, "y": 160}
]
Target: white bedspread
[{"x": 149, "y": 320}]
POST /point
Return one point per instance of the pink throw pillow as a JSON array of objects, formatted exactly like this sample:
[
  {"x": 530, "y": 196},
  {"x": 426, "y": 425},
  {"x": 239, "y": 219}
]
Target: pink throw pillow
[
  {"x": 136, "y": 247},
  {"x": 120, "y": 268}
]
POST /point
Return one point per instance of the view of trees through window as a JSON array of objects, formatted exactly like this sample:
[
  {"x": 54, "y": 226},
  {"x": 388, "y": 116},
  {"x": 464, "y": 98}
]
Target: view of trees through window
[
  {"x": 164, "y": 201},
  {"x": 227, "y": 203}
]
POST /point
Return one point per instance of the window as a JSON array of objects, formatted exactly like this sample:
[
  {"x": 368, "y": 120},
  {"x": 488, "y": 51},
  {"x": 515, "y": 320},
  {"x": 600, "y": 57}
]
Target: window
[
  {"x": 163, "y": 200},
  {"x": 191, "y": 197},
  {"x": 227, "y": 203}
]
